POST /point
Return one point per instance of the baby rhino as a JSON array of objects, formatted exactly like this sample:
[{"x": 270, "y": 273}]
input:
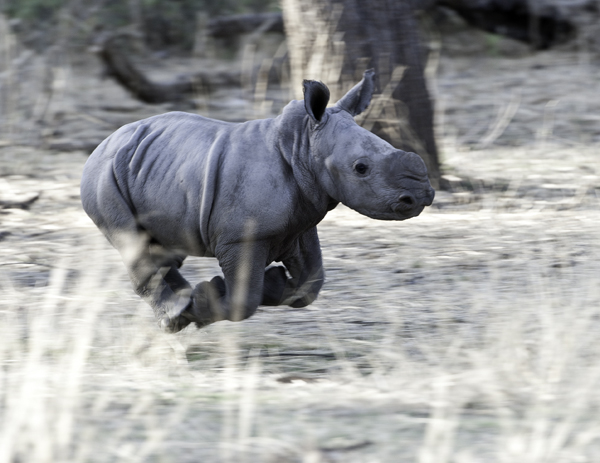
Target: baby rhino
[{"x": 249, "y": 194}]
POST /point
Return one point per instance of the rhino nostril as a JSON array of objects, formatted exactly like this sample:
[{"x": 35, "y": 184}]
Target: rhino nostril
[{"x": 407, "y": 199}]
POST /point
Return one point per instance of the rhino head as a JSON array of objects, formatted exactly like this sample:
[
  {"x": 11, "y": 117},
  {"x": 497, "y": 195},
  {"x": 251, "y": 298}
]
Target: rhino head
[{"x": 356, "y": 167}]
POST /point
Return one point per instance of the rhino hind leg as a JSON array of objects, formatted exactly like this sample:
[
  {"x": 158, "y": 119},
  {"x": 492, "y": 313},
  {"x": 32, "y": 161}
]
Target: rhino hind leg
[
  {"x": 180, "y": 287},
  {"x": 155, "y": 277},
  {"x": 153, "y": 270},
  {"x": 166, "y": 291}
]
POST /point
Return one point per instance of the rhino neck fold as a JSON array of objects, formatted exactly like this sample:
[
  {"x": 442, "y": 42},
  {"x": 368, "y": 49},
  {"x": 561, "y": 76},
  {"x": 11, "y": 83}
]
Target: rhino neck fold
[{"x": 294, "y": 146}]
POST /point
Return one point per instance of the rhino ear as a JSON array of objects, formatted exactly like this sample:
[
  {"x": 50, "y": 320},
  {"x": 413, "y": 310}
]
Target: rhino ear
[
  {"x": 316, "y": 97},
  {"x": 359, "y": 96}
]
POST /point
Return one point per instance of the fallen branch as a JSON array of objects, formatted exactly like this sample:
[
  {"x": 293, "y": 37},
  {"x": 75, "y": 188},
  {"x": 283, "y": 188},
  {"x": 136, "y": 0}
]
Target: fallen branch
[{"x": 113, "y": 53}]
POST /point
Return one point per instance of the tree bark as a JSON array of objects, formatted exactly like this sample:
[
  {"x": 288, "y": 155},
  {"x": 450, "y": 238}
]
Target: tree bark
[{"x": 336, "y": 40}]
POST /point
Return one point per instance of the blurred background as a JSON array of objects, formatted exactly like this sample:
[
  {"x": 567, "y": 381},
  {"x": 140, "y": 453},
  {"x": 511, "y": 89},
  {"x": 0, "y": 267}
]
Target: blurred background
[
  {"x": 467, "y": 334},
  {"x": 65, "y": 62}
]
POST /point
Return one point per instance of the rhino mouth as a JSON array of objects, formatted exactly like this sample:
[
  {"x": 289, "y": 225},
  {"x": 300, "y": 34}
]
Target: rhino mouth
[
  {"x": 402, "y": 207},
  {"x": 393, "y": 212},
  {"x": 405, "y": 212},
  {"x": 411, "y": 205}
]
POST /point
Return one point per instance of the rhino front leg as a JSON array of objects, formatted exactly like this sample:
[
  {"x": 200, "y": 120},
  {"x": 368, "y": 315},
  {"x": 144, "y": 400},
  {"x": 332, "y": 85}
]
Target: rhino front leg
[
  {"x": 238, "y": 295},
  {"x": 305, "y": 266}
]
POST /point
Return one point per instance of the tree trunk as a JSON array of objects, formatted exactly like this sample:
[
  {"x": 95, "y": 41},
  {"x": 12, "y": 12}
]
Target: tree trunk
[{"x": 336, "y": 40}]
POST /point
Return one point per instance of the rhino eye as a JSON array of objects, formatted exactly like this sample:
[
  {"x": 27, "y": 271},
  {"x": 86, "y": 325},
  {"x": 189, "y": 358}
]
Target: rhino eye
[{"x": 361, "y": 168}]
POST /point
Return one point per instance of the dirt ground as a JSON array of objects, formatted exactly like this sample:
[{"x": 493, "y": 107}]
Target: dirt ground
[{"x": 467, "y": 334}]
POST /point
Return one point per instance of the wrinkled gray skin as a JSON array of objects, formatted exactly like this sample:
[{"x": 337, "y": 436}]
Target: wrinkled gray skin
[{"x": 248, "y": 194}]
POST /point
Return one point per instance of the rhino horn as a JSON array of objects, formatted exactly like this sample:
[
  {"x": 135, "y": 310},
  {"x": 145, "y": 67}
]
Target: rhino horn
[
  {"x": 358, "y": 97},
  {"x": 413, "y": 164},
  {"x": 316, "y": 97}
]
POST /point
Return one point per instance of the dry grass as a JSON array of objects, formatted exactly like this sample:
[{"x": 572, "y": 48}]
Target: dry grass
[{"x": 468, "y": 334}]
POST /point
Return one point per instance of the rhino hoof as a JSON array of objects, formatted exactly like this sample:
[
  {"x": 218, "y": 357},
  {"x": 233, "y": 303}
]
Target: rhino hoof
[
  {"x": 274, "y": 285},
  {"x": 173, "y": 325},
  {"x": 205, "y": 307},
  {"x": 219, "y": 285}
]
